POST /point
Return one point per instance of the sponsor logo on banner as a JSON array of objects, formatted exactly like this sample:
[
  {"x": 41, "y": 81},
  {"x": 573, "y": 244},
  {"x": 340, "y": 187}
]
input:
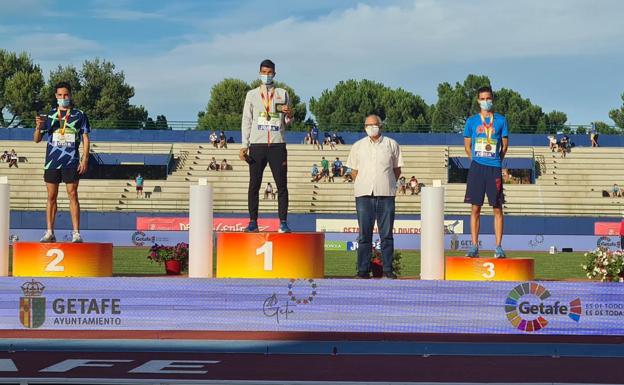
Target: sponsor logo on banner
[
  {"x": 32, "y": 305},
  {"x": 300, "y": 292},
  {"x": 72, "y": 311},
  {"x": 608, "y": 243},
  {"x": 335, "y": 245},
  {"x": 528, "y": 310},
  {"x": 607, "y": 228},
  {"x": 464, "y": 243},
  {"x": 400, "y": 226},
  {"x": 219, "y": 224}
]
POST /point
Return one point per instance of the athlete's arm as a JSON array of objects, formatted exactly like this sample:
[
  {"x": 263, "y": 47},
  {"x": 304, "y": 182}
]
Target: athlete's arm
[
  {"x": 468, "y": 147},
  {"x": 504, "y": 147},
  {"x": 84, "y": 162},
  {"x": 38, "y": 134}
]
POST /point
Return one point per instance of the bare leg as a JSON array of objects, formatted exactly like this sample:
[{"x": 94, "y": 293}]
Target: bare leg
[
  {"x": 498, "y": 225},
  {"x": 475, "y": 224},
  {"x": 74, "y": 205},
  {"x": 51, "y": 205}
]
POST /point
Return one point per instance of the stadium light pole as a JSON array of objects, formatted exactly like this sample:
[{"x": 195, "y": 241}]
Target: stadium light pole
[{"x": 200, "y": 230}]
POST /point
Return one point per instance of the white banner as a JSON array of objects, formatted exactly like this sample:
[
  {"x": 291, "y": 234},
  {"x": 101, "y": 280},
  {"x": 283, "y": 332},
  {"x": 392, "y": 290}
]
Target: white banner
[{"x": 400, "y": 226}]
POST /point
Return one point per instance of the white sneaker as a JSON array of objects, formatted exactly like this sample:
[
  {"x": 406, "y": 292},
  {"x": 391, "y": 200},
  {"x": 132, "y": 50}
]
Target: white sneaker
[
  {"x": 76, "y": 238},
  {"x": 48, "y": 237}
]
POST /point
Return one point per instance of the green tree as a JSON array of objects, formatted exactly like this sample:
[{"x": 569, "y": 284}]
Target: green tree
[
  {"x": 227, "y": 98},
  {"x": 225, "y": 107},
  {"x": 346, "y": 106},
  {"x": 21, "y": 83},
  {"x": 617, "y": 115},
  {"x": 458, "y": 103},
  {"x": 161, "y": 123},
  {"x": 101, "y": 92}
]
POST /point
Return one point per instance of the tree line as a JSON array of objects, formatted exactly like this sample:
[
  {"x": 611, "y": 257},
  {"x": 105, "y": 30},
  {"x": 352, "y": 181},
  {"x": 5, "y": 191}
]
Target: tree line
[{"x": 102, "y": 92}]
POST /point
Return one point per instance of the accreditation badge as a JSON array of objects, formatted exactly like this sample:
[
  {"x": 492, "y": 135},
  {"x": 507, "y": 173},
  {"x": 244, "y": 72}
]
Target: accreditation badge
[
  {"x": 269, "y": 121},
  {"x": 485, "y": 148},
  {"x": 63, "y": 140}
]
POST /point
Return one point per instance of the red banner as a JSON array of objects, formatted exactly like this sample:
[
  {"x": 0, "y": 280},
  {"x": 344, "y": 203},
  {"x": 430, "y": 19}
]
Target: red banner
[
  {"x": 219, "y": 224},
  {"x": 607, "y": 228}
]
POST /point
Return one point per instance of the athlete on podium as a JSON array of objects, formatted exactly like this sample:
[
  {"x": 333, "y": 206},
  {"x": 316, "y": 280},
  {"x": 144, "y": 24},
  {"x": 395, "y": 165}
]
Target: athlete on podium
[
  {"x": 266, "y": 114},
  {"x": 66, "y": 128}
]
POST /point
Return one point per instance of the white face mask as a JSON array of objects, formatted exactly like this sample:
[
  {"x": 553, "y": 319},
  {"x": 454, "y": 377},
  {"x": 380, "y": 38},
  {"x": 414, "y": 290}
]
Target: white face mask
[{"x": 372, "y": 130}]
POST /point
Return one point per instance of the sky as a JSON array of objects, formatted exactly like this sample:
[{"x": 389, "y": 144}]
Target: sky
[{"x": 564, "y": 55}]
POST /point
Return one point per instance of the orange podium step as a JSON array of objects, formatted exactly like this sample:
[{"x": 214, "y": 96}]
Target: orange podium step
[
  {"x": 270, "y": 255},
  {"x": 489, "y": 269},
  {"x": 33, "y": 259}
]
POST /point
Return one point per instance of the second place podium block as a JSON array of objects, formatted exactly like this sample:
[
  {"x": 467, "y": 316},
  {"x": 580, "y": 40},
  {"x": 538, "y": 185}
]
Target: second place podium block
[{"x": 270, "y": 255}]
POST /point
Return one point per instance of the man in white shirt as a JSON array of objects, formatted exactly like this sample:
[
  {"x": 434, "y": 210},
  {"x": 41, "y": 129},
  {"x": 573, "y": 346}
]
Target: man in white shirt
[{"x": 375, "y": 163}]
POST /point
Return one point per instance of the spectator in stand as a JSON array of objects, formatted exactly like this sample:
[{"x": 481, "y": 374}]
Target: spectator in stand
[
  {"x": 222, "y": 140},
  {"x": 414, "y": 186},
  {"x": 348, "y": 176},
  {"x": 564, "y": 145},
  {"x": 552, "y": 143},
  {"x": 4, "y": 157},
  {"x": 325, "y": 170},
  {"x": 315, "y": 174},
  {"x": 213, "y": 166},
  {"x": 622, "y": 234},
  {"x": 138, "y": 181},
  {"x": 214, "y": 139},
  {"x": 616, "y": 191},
  {"x": 337, "y": 167},
  {"x": 315, "y": 137},
  {"x": 269, "y": 191},
  {"x": 224, "y": 165},
  {"x": 13, "y": 158},
  {"x": 402, "y": 184},
  {"x": 332, "y": 143},
  {"x": 307, "y": 139},
  {"x": 593, "y": 135}
]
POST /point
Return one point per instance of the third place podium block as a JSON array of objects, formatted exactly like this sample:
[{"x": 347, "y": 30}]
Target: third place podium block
[
  {"x": 489, "y": 269},
  {"x": 270, "y": 255}
]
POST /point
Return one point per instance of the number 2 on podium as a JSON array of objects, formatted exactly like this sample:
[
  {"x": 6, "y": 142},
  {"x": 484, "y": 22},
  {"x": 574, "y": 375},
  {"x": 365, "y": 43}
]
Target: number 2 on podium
[
  {"x": 267, "y": 250},
  {"x": 54, "y": 265}
]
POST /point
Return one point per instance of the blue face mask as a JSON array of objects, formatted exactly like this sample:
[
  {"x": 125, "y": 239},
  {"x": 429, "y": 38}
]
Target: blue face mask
[
  {"x": 266, "y": 79},
  {"x": 486, "y": 104},
  {"x": 63, "y": 102}
]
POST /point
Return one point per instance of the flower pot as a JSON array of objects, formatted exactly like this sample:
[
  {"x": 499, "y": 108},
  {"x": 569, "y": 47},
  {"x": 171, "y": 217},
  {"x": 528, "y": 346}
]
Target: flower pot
[
  {"x": 377, "y": 268},
  {"x": 172, "y": 267}
]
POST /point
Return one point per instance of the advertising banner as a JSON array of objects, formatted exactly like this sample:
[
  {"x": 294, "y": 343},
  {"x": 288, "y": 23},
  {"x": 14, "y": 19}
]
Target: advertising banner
[
  {"x": 607, "y": 228},
  {"x": 400, "y": 226},
  {"x": 219, "y": 224}
]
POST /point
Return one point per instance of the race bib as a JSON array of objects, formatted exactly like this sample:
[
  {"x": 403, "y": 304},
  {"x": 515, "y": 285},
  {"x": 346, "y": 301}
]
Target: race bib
[
  {"x": 270, "y": 122},
  {"x": 483, "y": 149},
  {"x": 63, "y": 140}
]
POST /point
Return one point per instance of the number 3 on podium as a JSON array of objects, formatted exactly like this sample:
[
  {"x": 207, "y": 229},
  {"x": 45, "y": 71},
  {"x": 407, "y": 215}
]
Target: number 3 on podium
[
  {"x": 489, "y": 270},
  {"x": 267, "y": 250}
]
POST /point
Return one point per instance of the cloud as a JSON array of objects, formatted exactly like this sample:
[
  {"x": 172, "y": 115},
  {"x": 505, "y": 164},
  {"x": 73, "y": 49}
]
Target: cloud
[
  {"x": 384, "y": 43},
  {"x": 44, "y": 46},
  {"x": 125, "y": 14}
]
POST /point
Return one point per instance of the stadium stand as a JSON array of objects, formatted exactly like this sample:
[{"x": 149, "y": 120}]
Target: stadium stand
[{"x": 568, "y": 186}]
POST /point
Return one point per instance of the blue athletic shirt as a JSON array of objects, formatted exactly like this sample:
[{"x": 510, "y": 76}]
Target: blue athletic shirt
[
  {"x": 62, "y": 149},
  {"x": 486, "y": 152}
]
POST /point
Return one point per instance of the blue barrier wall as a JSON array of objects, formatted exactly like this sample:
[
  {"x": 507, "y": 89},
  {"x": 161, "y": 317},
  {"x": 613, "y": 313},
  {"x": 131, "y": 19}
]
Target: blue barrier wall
[
  {"x": 307, "y": 222},
  {"x": 192, "y": 136}
]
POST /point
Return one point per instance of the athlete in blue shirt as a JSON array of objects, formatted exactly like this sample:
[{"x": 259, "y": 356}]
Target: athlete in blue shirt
[
  {"x": 486, "y": 142},
  {"x": 66, "y": 128}
]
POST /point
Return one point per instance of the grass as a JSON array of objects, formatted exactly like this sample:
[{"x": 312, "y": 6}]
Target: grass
[{"x": 132, "y": 261}]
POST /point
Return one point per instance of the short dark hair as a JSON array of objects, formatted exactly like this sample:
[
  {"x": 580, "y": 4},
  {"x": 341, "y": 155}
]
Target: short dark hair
[
  {"x": 62, "y": 85},
  {"x": 485, "y": 89},
  {"x": 267, "y": 63}
]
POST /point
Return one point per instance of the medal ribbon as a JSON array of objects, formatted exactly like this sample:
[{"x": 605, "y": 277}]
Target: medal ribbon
[
  {"x": 489, "y": 128},
  {"x": 60, "y": 117},
  {"x": 267, "y": 102}
]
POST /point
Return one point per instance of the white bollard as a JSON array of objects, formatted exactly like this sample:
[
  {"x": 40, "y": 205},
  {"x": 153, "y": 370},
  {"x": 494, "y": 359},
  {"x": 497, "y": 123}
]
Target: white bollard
[
  {"x": 200, "y": 230},
  {"x": 432, "y": 232},
  {"x": 4, "y": 226}
]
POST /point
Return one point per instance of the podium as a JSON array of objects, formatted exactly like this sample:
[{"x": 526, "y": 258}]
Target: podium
[
  {"x": 31, "y": 259},
  {"x": 489, "y": 269},
  {"x": 270, "y": 255}
]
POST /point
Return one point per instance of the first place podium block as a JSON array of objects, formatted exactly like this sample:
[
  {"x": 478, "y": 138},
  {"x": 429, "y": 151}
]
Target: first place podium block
[
  {"x": 31, "y": 259},
  {"x": 270, "y": 255},
  {"x": 489, "y": 269}
]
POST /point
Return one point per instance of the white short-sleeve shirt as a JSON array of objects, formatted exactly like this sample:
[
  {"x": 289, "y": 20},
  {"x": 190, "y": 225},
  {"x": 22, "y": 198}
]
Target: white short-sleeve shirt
[{"x": 375, "y": 163}]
